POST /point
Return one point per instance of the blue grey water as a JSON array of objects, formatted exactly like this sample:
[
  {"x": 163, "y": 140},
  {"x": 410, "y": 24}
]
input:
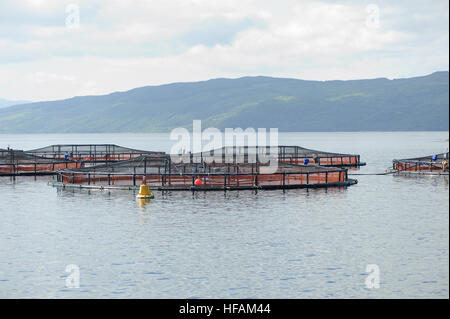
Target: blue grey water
[{"x": 272, "y": 244}]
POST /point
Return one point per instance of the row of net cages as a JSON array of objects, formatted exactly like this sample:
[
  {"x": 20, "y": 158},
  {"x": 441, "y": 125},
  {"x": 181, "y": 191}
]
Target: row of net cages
[
  {"x": 283, "y": 154},
  {"x": 90, "y": 152},
  {"x": 161, "y": 173},
  {"x": 47, "y": 160},
  {"x": 16, "y": 162},
  {"x": 437, "y": 162}
]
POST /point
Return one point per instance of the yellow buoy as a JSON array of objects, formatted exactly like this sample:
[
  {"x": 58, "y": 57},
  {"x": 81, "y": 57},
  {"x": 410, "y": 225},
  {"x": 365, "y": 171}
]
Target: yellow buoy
[{"x": 144, "y": 190}]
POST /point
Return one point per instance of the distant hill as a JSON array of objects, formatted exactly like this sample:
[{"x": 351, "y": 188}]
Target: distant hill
[
  {"x": 6, "y": 103},
  {"x": 419, "y": 103}
]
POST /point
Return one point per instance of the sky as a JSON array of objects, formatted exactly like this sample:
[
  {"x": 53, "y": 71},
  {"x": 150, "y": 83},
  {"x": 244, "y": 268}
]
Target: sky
[{"x": 56, "y": 49}]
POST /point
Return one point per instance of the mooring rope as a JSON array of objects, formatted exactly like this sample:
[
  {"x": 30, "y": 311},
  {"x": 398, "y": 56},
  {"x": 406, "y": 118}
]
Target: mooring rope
[
  {"x": 373, "y": 174},
  {"x": 384, "y": 173}
]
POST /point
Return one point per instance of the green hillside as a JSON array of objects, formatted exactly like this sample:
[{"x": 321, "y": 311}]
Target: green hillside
[{"x": 419, "y": 103}]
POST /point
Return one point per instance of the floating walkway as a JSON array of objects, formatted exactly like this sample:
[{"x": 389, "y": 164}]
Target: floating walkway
[{"x": 202, "y": 188}]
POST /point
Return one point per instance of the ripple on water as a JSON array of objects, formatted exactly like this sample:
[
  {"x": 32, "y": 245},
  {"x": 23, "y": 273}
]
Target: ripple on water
[
  {"x": 153, "y": 273},
  {"x": 269, "y": 244}
]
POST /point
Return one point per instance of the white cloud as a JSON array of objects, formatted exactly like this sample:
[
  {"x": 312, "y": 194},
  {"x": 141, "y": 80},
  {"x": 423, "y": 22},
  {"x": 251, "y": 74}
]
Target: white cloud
[
  {"x": 48, "y": 78},
  {"x": 122, "y": 44}
]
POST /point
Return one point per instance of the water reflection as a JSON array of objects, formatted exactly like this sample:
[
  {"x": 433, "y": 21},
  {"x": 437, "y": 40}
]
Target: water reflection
[
  {"x": 144, "y": 210},
  {"x": 143, "y": 202}
]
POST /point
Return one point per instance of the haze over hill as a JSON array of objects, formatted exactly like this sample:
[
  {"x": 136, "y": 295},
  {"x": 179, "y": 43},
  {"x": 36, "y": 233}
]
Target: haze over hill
[
  {"x": 419, "y": 103},
  {"x": 6, "y": 103}
]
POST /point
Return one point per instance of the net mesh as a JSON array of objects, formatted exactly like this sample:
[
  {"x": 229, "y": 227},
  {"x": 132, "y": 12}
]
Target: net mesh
[
  {"x": 10, "y": 156},
  {"x": 14, "y": 161},
  {"x": 91, "y": 151},
  {"x": 287, "y": 154}
]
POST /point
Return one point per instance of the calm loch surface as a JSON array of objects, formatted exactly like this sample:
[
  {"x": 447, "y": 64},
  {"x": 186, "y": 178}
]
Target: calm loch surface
[{"x": 270, "y": 244}]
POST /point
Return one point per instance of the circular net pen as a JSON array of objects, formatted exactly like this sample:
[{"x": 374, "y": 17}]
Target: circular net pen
[
  {"x": 297, "y": 155},
  {"x": 162, "y": 174},
  {"x": 284, "y": 154},
  {"x": 90, "y": 152},
  {"x": 434, "y": 163},
  {"x": 15, "y": 162}
]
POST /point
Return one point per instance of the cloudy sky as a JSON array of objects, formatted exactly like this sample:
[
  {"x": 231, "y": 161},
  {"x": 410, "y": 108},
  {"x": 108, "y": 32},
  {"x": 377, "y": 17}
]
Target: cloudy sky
[{"x": 53, "y": 49}]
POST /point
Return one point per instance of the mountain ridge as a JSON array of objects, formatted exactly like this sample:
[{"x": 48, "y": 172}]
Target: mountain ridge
[{"x": 418, "y": 103}]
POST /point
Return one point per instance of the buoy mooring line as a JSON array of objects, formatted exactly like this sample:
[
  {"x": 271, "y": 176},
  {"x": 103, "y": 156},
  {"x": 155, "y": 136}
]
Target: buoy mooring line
[
  {"x": 379, "y": 174},
  {"x": 374, "y": 174}
]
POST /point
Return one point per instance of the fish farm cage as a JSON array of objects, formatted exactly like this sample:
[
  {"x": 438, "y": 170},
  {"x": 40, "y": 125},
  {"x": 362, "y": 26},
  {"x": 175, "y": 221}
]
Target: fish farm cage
[
  {"x": 48, "y": 160},
  {"x": 432, "y": 163},
  {"x": 90, "y": 152},
  {"x": 161, "y": 173},
  {"x": 283, "y": 154},
  {"x": 16, "y": 162},
  {"x": 297, "y": 155}
]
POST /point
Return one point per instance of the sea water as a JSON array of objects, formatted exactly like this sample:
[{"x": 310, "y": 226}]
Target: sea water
[{"x": 324, "y": 243}]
